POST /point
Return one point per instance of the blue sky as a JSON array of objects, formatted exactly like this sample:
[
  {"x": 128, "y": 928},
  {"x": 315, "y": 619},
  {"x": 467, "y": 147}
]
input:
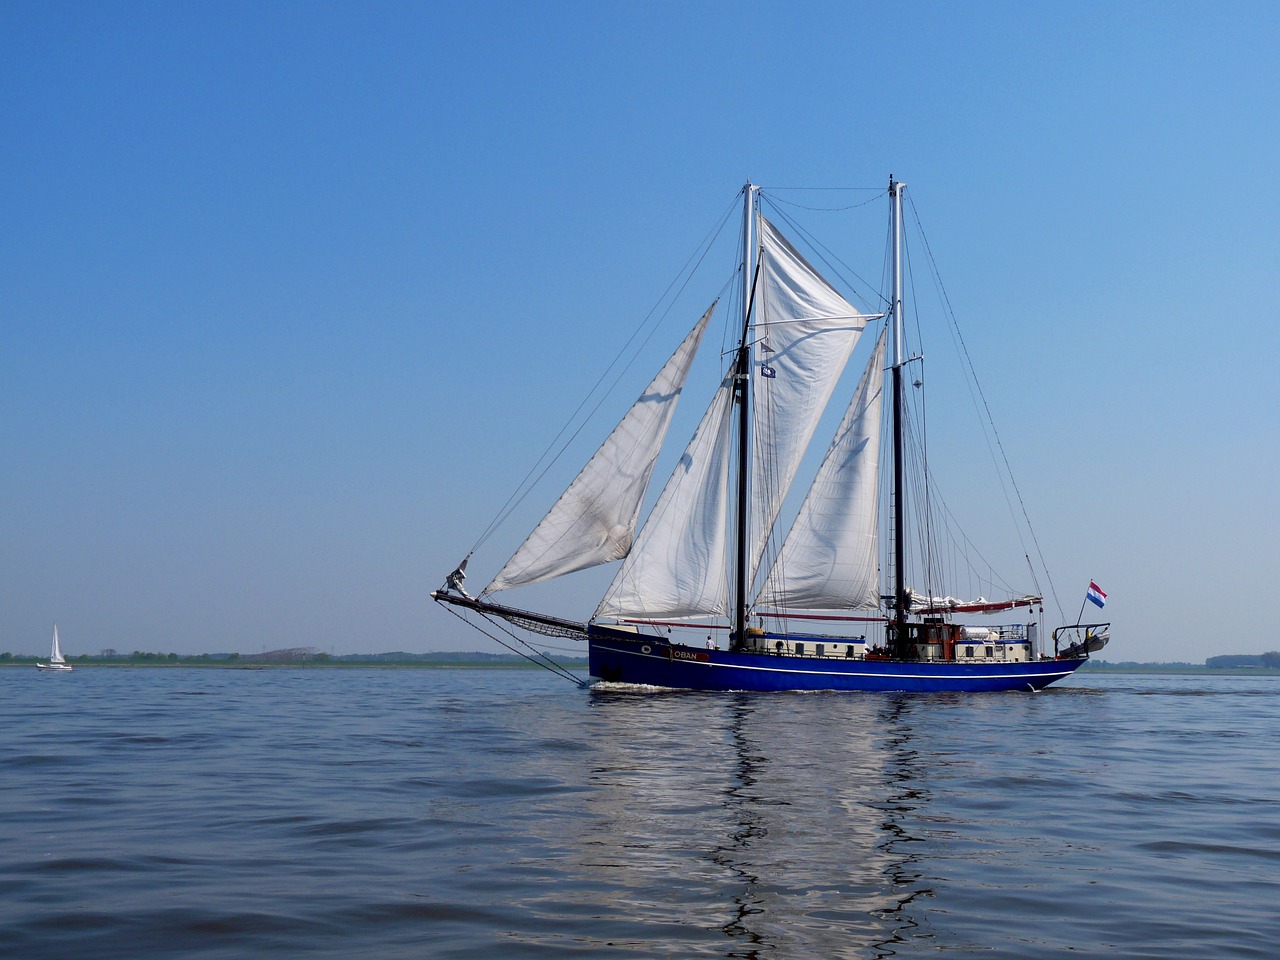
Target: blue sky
[{"x": 294, "y": 292}]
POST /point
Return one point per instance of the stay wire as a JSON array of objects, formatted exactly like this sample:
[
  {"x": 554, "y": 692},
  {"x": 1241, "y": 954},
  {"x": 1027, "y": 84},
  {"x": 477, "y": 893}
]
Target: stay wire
[
  {"x": 538, "y": 660},
  {"x": 551, "y": 455},
  {"x": 847, "y": 207},
  {"x": 932, "y": 575},
  {"x": 829, "y": 258},
  {"x": 986, "y": 407}
]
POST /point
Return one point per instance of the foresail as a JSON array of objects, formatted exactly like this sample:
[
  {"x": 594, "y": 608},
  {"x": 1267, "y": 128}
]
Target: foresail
[
  {"x": 677, "y": 568},
  {"x": 594, "y": 521},
  {"x": 829, "y": 560},
  {"x": 805, "y": 332}
]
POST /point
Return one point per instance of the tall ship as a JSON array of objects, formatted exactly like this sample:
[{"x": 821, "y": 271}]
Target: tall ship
[{"x": 738, "y": 579}]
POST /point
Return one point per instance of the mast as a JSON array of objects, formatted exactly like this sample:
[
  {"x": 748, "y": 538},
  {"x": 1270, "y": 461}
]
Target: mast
[
  {"x": 898, "y": 359},
  {"x": 742, "y": 390}
]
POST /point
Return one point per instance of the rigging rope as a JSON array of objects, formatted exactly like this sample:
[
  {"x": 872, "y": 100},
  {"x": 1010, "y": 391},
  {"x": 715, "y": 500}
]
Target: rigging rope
[
  {"x": 940, "y": 541},
  {"x": 539, "y": 659},
  {"x": 986, "y": 408},
  {"x": 828, "y": 257},
  {"x": 550, "y": 456},
  {"x": 878, "y": 191}
]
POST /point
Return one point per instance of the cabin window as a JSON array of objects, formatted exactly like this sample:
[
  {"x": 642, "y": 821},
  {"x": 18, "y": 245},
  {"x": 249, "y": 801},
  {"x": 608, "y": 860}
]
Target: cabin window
[
  {"x": 991, "y": 651},
  {"x": 968, "y": 651},
  {"x": 799, "y": 649},
  {"x": 820, "y": 649}
]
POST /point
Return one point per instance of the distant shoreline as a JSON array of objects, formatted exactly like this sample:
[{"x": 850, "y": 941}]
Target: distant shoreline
[
  {"x": 509, "y": 662},
  {"x": 1175, "y": 668},
  {"x": 572, "y": 664},
  {"x": 306, "y": 657}
]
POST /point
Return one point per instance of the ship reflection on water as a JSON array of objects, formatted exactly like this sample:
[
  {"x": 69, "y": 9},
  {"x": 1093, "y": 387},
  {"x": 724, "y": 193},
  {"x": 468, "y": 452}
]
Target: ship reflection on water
[
  {"x": 851, "y": 870},
  {"x": 905, "y": 800},
  {"x": 789, "y": 824}
]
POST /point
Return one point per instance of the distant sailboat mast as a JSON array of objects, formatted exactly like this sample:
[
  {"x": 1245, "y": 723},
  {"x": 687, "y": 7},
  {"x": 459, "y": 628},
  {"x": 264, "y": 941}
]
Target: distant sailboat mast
[{"x": 898, "y": 360}]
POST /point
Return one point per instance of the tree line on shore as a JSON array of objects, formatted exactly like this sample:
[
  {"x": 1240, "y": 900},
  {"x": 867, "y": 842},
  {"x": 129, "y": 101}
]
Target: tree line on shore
[
  {"x": 300, "y": 655},
  {"x": 1268, "y": 661}
]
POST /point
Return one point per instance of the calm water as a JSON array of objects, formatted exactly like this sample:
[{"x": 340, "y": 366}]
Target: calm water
[{"x": 434, "y": 814}]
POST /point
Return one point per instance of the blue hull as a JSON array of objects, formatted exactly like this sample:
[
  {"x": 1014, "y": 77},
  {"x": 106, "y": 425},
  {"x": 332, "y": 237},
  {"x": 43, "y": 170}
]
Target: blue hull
[{"x": 627, "y": 658}]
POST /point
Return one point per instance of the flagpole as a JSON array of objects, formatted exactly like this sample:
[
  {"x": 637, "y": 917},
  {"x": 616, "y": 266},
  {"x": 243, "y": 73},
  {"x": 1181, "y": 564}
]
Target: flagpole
[{"x": 1100, "y": 599}]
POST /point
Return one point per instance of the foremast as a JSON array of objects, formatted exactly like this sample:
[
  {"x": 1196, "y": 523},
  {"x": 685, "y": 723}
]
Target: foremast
[
  {"x": 898, "y": 625},
  {"x": 742, "y": 398}
]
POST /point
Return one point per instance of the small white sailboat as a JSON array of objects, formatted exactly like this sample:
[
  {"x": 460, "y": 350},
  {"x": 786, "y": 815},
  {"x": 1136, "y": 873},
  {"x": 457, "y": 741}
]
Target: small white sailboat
[{"x": 56, "y": 660}]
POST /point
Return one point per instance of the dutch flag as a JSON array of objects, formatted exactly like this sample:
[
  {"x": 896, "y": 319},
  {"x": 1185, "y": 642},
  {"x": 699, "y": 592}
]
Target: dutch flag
[{"x": 1096, "y": 595}]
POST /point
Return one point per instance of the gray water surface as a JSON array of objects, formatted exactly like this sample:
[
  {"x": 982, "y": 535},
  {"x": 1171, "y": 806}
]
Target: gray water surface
[{"x": 410, "y": 813}]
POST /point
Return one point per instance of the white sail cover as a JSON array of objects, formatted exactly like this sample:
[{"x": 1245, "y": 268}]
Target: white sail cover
[
  {"x": 594, "y": 521},
  {"x": 805, "y": 332},
  {"x": 677, "y": 568},
  {"x": 829, "y": 559}
]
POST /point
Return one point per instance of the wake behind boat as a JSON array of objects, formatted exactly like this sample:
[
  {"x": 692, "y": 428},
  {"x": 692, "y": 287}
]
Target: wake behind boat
[
  {"x": 56, "y": 661},
  {"x": 804, "y": 611}
]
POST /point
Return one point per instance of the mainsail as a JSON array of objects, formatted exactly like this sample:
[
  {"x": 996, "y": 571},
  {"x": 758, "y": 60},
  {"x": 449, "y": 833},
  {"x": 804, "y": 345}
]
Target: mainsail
[
  {"x": 805, "y": 332},
  {"x": 594, "y": 521},
  {"x": 829, "y": 558}
]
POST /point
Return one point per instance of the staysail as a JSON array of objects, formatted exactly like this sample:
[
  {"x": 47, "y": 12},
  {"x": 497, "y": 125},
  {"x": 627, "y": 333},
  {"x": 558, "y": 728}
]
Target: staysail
[
  {"x": 804, "y": 333},
  {"x": 829, "y": 560},
  {"x": 677, "y": 568},
  {"x": 594, "y": 521}
]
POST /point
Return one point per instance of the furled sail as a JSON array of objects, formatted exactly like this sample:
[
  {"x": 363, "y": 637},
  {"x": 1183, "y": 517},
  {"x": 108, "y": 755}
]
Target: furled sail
[
  {"x": 677, "y": 568},
  {"x": 594, "y": 521},
  {"x": 805, "y": 332},
  {"x": 829, "y": 558},
  {"x": 920, "y": 604}
]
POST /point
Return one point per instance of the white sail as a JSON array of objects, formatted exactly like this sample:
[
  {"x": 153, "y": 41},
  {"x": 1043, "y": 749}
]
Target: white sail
[
  {"x": 805, "y": 332},
  {"x": 677, "y": 568},
  {"x": 56, "y": 655},
  {"x": 829, "y": 559},
  {"x": 594, "y": 521}
]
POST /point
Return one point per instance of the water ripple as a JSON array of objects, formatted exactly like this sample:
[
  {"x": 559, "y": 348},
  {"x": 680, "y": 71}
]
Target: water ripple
[{"x": 473, "y": 814}]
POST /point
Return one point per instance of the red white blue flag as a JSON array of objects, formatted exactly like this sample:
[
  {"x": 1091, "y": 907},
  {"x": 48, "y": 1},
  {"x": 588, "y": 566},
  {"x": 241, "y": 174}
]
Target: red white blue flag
[{"x": 1096, "y": 595}]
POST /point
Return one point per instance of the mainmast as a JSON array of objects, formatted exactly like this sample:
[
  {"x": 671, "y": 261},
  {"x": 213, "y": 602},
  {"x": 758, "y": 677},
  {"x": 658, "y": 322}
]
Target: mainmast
[
  {"x": 741, "y": 394},
  {"x": 898, "y": 360}
]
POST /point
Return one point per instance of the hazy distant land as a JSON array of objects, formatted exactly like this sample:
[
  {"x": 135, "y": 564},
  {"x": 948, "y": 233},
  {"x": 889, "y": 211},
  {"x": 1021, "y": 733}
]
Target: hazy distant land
[
  {"x": 297, "y": 657},
  {"x": 1243, "y": 664}
]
